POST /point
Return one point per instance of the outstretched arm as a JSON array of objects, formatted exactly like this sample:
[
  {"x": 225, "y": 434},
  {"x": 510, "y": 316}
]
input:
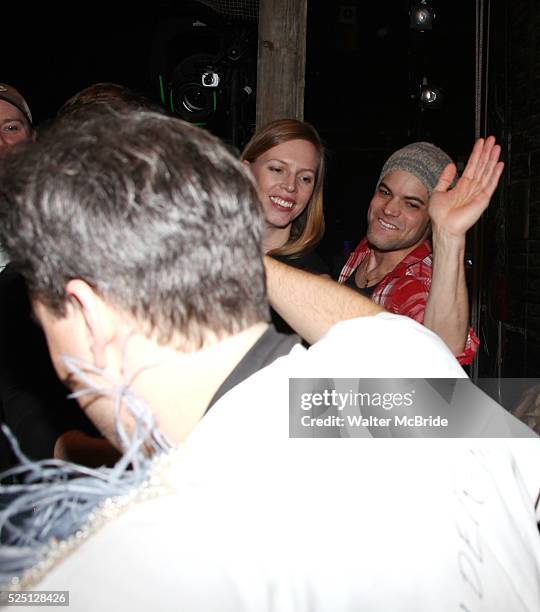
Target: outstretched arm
[
  {"x": 311, "y": 304},
  {"x": 452, "y": 213}
]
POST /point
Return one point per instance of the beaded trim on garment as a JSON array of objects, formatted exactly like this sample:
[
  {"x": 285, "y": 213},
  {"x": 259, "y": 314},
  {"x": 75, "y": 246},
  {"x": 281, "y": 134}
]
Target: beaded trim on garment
[
  {"x": 44, "y": 513},
  {"x": 157, "y": 485}
]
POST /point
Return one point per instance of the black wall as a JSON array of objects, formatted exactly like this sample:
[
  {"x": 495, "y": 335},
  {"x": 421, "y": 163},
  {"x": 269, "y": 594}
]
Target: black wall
[{"x": 511, "y": 287}]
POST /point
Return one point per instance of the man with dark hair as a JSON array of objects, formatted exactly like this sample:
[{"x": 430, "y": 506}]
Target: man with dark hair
[
  {"x": 107, "y": 95},
  {"x": 412, "y": 260},
  {"x": 140, "y": 239}
]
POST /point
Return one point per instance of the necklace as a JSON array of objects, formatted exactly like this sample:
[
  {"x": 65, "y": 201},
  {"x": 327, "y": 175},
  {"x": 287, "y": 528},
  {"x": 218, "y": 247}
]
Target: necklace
[
  {"x": 371, "y": 281},
  {"x": 367, "y": 279}
]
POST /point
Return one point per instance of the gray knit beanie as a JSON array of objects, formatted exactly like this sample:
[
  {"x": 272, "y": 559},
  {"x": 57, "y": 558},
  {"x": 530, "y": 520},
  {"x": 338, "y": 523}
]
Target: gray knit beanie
[{"x": 423, "y": 159}]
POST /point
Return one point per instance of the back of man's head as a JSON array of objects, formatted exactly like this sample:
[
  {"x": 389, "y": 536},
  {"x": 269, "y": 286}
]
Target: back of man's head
[
  {"x": 151, "y": 212},
  {"x": 111, "y": 95}
]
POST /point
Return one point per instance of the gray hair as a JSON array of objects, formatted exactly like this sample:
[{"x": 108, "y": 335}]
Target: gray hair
[{"x": 153, "y": 213}]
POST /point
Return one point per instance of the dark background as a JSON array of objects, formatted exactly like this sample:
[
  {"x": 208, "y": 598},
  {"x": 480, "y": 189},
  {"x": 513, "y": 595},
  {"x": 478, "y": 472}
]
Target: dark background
[
  {"x": 364, "y": 63},
  {"x": 364, "y": 67}
]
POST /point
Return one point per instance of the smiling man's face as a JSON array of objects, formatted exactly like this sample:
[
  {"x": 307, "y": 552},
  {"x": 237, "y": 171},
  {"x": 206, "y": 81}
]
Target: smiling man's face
[{"x": 398, "y": 216}]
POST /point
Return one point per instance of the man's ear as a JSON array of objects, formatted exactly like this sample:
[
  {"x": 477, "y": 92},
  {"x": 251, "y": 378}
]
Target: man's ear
[{"x": 97, "y": 317}]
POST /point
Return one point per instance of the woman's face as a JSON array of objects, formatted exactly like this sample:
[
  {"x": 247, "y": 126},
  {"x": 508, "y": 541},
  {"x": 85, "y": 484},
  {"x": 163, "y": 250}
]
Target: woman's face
[{"x": 285, "y": 176}]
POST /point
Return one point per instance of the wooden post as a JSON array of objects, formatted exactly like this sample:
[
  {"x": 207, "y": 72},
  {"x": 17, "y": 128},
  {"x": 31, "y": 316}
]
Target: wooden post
[{"x": 281, "y": 60}]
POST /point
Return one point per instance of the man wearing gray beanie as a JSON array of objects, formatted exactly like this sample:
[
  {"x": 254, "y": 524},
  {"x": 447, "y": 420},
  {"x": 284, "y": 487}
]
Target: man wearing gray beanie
[{"x": 411, "y": 261}]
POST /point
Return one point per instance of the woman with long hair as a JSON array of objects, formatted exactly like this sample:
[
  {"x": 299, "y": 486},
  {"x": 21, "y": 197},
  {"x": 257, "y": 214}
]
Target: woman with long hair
[{"x": 287, "y": 160}]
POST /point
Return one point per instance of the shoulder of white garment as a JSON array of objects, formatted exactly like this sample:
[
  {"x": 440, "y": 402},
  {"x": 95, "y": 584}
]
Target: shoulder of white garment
[{"x": 387, "y": 346}]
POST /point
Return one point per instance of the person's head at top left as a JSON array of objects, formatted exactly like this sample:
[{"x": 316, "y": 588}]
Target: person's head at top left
[{"x": 15, "y": 117}]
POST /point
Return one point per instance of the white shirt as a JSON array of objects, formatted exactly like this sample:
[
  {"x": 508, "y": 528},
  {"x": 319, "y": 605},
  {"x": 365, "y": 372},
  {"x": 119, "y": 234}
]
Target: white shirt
[{"x": 256, "y": 521}]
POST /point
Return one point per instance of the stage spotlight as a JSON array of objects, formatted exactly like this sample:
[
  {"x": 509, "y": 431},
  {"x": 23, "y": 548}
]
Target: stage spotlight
[
  {"x": 192, "y": 102},
  {"x": 193, "y": 91},
  {"x": 210, "y": 78},
  {"x": 422, "y": 16},
  {"x": 430, "y": 97},
  {"x": 214, "y": 87}
]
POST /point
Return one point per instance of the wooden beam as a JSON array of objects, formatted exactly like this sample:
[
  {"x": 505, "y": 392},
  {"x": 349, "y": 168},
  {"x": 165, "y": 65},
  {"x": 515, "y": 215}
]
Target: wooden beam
[{"x": 281, "y": 60}]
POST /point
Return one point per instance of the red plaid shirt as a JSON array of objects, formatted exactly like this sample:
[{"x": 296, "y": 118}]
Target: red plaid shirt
[{"x": 405, "y": 289}]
